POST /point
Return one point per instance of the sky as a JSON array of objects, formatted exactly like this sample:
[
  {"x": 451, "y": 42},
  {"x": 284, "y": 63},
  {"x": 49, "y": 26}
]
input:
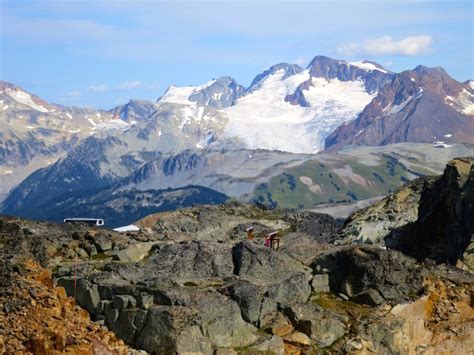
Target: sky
[{"x": 101, "y": 53}]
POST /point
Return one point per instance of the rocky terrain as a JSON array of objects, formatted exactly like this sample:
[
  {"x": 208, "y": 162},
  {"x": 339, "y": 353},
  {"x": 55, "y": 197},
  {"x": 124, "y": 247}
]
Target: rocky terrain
[
  {"x": 38, "y": 318},
  {"x": 189, "y": 281},
  {"x": 431, "y": 217}
]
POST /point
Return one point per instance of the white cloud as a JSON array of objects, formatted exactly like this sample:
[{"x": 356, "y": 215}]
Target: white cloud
[
  {"x": 128, "y": 85},
  {"x": 385, "y": 45},
  {"x": 98, "y": 88},
  {"x": 300, "y": 61}
]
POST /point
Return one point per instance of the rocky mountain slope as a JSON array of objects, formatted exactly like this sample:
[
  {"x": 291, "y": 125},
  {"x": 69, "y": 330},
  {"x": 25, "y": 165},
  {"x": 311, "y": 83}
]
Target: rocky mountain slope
[
  {"x": 272, "y": 178},
  {"x": 430, "y": 217},
  {"x": 190, "y": 281},
  {"x": 35, "y": 133},
  {"x": 420, "y": 105},
  {"x": 38, "y": 318}
]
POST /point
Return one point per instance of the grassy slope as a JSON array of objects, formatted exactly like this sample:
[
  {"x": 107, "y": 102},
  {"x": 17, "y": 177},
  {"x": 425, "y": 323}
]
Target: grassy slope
[{"x": 288, "y": 191}]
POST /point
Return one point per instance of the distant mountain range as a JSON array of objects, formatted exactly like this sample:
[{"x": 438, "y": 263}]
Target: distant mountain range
[{"x": 203, "y": 135}]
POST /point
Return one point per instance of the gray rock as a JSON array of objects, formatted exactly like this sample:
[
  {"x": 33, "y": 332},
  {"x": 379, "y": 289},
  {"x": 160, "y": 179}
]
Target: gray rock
[
  {"x": 129, "y": 323},
  {"x": 258, "y": 263},
  {"x": 82, "y": 253},
  {"x": 295, "y": 289},
  {"x": 103, "y": 243},
  {"x": 191, "y": 261},
  {"x": 105, "y": 292},
  {"x": 320, "y": 283},
  {"x": 162, "y": 327},
  {"x": 371, "y": 297},
  {"x": 191, "y": 341},
  {"x": 134, "y": 252},
  {"x": 90, "y": 249},
  {"x": 323, "y": 327},
  {"x": 145, "y": 300},
  {"x": 111, "y": 316},
  {"x": 356, "y": 269},
  {"x": 87, "y": 295},
  {"x": 274, "y": 345},
  {"x": 222, "y": 323},
  {"x": 249, "y": 298},
  {"x": 102, "y": 306},
  {"x": 124, "y": 302},
  {"x": 225, "y": 352}
]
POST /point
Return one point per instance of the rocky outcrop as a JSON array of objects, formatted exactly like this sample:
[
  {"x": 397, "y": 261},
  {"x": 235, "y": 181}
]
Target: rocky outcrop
[
  {"x": 372, "y": 275},
  {"x": 223, "y": 92},
  {"x": 374, "y": 79},
  {"x": 289, "y": 70},
  {"x": 372, "y": 224},
  {"x": 444, "y": 228},
  {"x": 428, "y": 218}
]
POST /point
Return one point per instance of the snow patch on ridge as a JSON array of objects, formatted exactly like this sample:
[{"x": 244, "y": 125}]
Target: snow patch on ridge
[
  {"x": 463, "y": 103},
  {"x": 180, "y": 95},
  {"x": 367, "y": 66},
  {"x": 25, "y": 99}
]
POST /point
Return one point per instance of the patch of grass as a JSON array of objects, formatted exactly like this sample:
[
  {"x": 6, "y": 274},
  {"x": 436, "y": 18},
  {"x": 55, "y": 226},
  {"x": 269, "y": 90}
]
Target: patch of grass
[
  {"x": 332, "y": 303},
  {"x": 190, "y": 284},
  {"x": 287, "y": 191}
]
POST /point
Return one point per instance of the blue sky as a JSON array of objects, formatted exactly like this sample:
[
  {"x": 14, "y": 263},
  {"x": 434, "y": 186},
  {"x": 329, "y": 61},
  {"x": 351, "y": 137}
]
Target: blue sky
[{"x": 101, "y": 53}]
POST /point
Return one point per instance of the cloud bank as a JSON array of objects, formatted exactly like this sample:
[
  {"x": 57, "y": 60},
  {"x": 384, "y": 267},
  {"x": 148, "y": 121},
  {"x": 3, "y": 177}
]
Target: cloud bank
[{"x": 386, "y": 45}]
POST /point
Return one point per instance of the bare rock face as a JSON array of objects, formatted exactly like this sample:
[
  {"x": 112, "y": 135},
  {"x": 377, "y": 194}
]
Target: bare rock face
[
  {"x": 372, "y": 224},
  {"x": 420, "y": 105},
  {"x": 360, "y": 273},
  {"x": 445, "y": 225},
  {"x": 428, "y": 218}
]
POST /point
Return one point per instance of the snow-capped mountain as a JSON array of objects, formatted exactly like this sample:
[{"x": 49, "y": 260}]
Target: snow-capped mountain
[
  {"x": 35, "y": 133},
  {"x": 420, "y": 105},
  {"x": 286, "y": 108},
  {"x": 294, "y": 110}
]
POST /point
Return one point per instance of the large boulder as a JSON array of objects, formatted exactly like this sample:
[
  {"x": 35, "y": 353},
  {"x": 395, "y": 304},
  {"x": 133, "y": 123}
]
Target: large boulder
[
  {"x": 371, "y": 275},
  {"x": 322, "y": 326},
  {"x": 261, "y": 264},
  {"x": 190, "y": 261},
  {"x": 162, "y": 332}
]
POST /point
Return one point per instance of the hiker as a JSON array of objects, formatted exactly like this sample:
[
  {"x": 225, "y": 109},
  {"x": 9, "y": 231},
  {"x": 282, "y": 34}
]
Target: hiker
[{"x": 268, "y": 241}]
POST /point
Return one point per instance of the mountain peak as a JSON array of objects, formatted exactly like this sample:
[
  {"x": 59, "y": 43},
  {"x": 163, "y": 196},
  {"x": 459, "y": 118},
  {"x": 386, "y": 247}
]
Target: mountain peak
[
  {"x": 424, "y": 70},
  {"x": 222, "y": 92},
  {"x": 290, "y": 69},
  {"x": 323, "y": 60}
]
